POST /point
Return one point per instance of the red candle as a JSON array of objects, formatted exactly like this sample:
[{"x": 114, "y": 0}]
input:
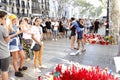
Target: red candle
[{"x": 39, "y": 78}]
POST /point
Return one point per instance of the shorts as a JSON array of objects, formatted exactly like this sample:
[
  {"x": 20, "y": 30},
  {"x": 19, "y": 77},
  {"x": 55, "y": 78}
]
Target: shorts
[
  {"x": 49, "y": 30},
  {"x": 13, "y": 48},
  {"x": 88, "y": 27},
  {"x": 15, "y": 45},
  {"x": 80, "y": 35},
  {"x": 4, "y": 64},
  {"x": 73, "y": 33},
  {"x": 55, "y": 32}
]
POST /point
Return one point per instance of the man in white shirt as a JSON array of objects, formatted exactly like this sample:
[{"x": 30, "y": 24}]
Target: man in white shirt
[{"x": 55, "y": 29}]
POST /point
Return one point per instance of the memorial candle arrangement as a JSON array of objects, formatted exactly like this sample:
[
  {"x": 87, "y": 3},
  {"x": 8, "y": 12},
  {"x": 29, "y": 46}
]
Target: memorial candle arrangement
[
  {"x": 97, "y": 39},
  {"x": 81, "y": 73}
]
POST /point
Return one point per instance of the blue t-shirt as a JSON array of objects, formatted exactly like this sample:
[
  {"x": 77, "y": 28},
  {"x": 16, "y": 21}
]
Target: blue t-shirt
[{"x": 77, "y": 27}]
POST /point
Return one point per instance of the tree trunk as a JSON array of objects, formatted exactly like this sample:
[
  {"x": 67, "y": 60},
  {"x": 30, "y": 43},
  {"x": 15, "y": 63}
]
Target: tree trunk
[{"x": 115, "y": 18}]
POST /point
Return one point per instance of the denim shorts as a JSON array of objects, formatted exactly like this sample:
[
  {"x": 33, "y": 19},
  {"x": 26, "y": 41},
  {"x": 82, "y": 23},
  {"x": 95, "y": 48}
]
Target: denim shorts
[
  {"x": 15, "y": 45},
  {"x": 4, "y": 64},
  {"x": 55, "y": 32},
  {"x": 80, "y": 35}
]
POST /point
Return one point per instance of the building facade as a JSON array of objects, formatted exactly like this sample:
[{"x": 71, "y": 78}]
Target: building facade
[
  {"x": 40, "y": 8},
  {"x": 26, "y": 7},
  {"x": 53, "y": 8},
  {"x": 18, "y": 7}
]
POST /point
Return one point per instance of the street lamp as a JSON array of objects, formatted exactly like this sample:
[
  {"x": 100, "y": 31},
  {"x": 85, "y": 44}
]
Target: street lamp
[{"x": 107, "y": 21}]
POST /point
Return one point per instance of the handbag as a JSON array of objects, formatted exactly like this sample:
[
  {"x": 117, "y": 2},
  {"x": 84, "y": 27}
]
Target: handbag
[{"x": 36, "y": 47}]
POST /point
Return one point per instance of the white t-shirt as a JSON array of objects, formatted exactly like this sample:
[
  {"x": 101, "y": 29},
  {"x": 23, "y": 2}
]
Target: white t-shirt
[
  {"x": 28, "y": 34},
  {"x": 56, "y": 24},
  {"x": 88, "y": 23},
  {"x": 37, "y": 31}
]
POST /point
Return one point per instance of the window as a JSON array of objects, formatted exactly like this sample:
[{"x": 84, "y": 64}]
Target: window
[
  {"x": 28, "y": 5},
  {"x": 23, "y": 4},
  {"x": 18, "y": 10},
  {"x": 4, "y": 1},
  {"x": 23, "y": 11},
  {"x": 10, "y": 1},
  {"x": 27, "y": 12},
  {"x": 12, "y": 10},
  {"x": 17, "y": 2}
]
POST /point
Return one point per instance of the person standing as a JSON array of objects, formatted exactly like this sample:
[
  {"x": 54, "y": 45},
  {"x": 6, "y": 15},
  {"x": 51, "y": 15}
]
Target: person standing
[
  {"x": 80, "y": 35},
  {"x": 44, "y": 28},
  {"x": 49, "y": 28},
  {"x": 27, "y": 40},
  {"x": 55, "y": 29},
  {"x": 61, "y": 29},
  {"x": 36, "y": 32},
  {"x": 66, "y": 27},
  {"x": 15, "y": 46},
  {"x": 73, "y": 32},
  {"x": 88, "y": 25},
  {"x": 4, "y": 51},
  {"x": 96, "y": 26}
]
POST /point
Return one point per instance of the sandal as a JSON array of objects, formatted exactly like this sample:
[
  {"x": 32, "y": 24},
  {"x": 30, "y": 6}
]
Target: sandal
[
  {"x": 83, "y": 50},
  {"x": 76, "y": 48}
]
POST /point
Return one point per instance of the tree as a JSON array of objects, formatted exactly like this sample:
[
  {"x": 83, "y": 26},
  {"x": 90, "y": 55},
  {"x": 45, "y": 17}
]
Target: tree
[
  {"x": 115, "y": 18},
  {"x": 61, "y": 8},
  {"x": 87, "y": 8}
]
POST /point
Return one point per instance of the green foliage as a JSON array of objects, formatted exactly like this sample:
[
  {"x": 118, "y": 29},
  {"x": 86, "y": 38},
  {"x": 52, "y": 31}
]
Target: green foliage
[{"x": 87, "y": 8}]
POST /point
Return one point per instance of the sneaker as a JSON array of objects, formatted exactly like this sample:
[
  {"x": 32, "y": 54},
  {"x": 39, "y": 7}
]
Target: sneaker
[
  {"x": 72, "y": 54},
  {"x": 18, "y": 74},
  {"x": 37, "y": 70},
  {"x": 23, "y": 68},
  {"x": 28, "y": 59},
  {"x": 43, "y": 66},
  {"x": 77, "y": 52},
  {"x": 53, "y": 39}
]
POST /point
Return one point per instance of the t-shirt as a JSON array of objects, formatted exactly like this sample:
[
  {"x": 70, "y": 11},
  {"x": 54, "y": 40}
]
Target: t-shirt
[
  {"x": 27, "y": 35},
  {"x": 4, "y": 51},
  {"x": 77, "y": 26},
  {"x": 37, "y": 31},
  {"x": 96, "y": 24},
  {"x": 56, "y": 24},
  {"x": 48, "y": 24}
]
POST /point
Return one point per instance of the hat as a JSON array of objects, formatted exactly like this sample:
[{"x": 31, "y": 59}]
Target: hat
[{"x": 12, "y": 16}]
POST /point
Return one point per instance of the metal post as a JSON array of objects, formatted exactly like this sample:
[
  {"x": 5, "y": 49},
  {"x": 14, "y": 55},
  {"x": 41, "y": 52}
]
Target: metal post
[{"x": 107, "y": 21}]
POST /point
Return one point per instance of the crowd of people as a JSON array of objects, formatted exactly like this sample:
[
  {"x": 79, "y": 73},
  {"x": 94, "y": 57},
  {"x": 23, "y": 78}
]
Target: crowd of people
[{"x": 20, "y": 35}]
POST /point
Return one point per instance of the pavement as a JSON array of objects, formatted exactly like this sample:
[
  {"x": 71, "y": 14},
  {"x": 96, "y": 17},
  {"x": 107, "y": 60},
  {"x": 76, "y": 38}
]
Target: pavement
[{"x": 59, "y": 52}]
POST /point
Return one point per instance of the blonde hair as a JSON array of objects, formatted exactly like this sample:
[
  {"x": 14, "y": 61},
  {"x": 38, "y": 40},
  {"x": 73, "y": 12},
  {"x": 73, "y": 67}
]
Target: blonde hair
[{"x": 10, "y": 27}]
